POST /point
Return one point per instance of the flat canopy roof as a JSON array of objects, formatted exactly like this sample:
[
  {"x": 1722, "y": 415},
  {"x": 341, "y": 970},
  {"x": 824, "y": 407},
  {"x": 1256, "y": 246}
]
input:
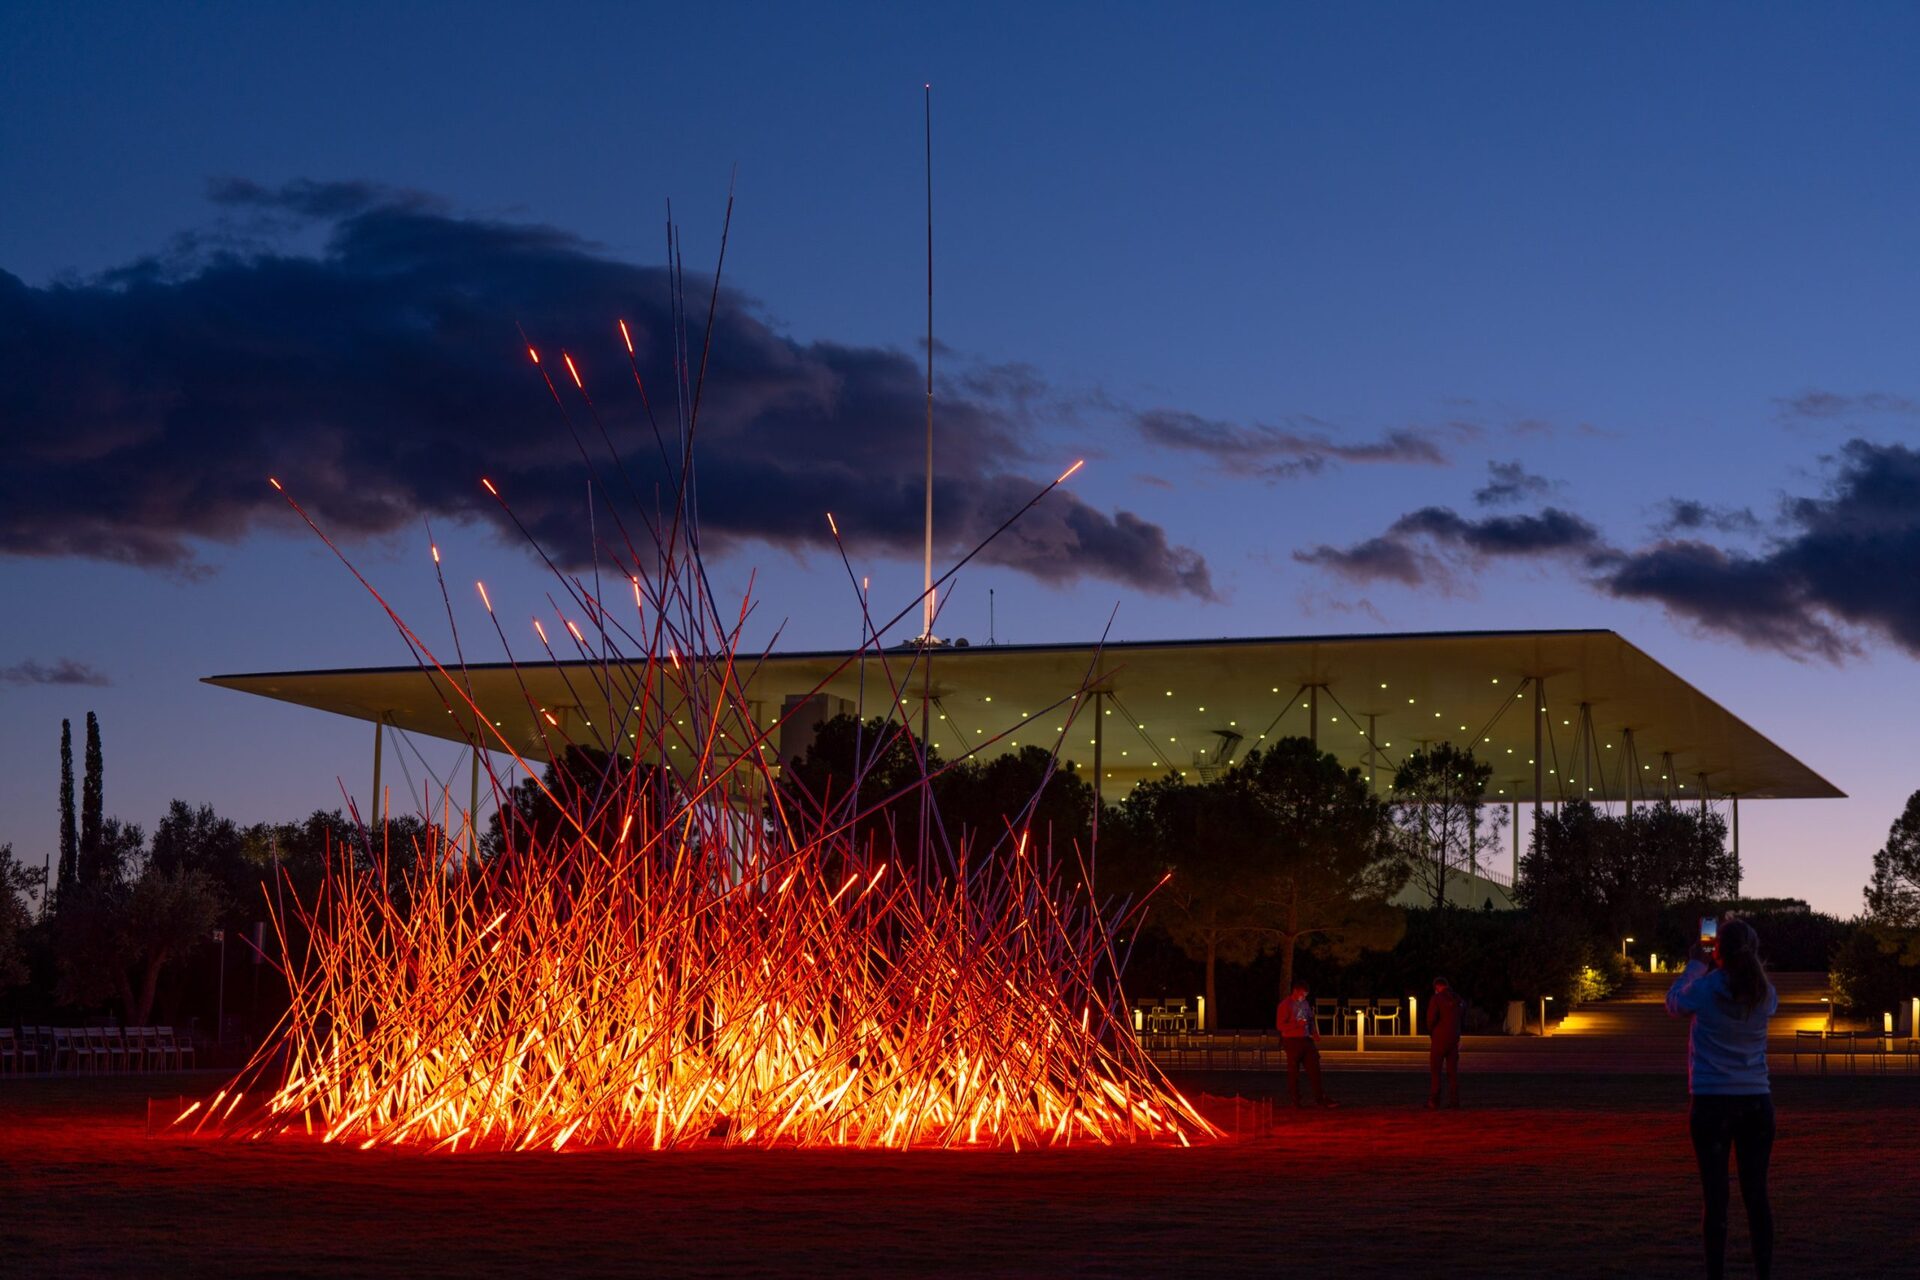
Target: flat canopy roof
[{"x": 1370, "y": 699}]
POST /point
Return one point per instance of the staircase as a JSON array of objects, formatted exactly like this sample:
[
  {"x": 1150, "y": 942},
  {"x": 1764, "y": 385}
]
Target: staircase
[{"x": 1631, "y": 1031}]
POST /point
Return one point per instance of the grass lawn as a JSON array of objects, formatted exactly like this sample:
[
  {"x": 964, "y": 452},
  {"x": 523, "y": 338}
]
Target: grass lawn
[{"x": 1569, "y": 1176}]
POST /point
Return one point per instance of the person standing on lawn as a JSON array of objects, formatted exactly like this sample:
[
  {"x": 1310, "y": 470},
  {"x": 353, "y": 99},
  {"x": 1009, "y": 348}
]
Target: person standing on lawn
[
  {"x": 1443, "y": 1043},
  {"x": 1301, "y": 1039},
  {"x": 1725, "y": 991}
]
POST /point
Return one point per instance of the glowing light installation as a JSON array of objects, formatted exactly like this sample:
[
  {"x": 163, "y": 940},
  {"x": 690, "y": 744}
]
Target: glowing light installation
[{"x": 681, "y": 955}]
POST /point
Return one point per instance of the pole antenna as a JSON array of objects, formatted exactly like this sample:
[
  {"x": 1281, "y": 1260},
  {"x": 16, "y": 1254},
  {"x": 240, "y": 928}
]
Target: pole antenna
[{"x": 926, "y": 603}]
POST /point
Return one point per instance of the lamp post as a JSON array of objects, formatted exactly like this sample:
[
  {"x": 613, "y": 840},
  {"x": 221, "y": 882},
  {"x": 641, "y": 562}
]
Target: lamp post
[
  {"x": 1543, "y": 1016},
  {"x": 220, "y": 1008},
  {"x": 1623, "y": 947}
]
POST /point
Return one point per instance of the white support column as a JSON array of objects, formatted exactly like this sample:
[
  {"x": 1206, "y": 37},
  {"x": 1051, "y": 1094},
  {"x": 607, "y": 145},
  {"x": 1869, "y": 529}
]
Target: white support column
[
  {"x": 1736, "y": 844},
  {"x": 1516, "y": 845}
]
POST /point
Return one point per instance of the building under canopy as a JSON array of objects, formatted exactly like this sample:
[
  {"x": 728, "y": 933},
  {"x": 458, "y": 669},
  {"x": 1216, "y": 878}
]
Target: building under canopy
[{"x": 1559, "y": 714}]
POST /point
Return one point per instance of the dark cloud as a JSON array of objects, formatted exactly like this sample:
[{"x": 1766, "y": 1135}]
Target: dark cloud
[
  {"x": 1744, "y": 596},
  {"x": 1423, "y": 547},
  {"x": 1509, "y": 483},
  {"x": 1385, "y": 558},
  {"x": 1282, "y": 453},
  {"x": 1840, "y": 565},
  {"x": 63, "y": 671},
  {"x": 1816, "y": 405},
  {"x": 381, "y": 377},
  {"x": 1685, "y": 516},
  {"x": 1835, "y": 568}
]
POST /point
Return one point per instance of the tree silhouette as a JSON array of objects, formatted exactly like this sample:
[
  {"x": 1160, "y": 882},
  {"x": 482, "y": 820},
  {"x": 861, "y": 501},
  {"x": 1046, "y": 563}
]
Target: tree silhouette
[
  {"x": 1613, "y": 873},
  {"x": 1329, "y": 843},
  {"x": 1893, "y": 894},
  {"x": 90, "y": 865},
  {"x": 69, "y": 831},
  {"x": 1438, "y": 798},
  {"x": 1286, "y": 848}
]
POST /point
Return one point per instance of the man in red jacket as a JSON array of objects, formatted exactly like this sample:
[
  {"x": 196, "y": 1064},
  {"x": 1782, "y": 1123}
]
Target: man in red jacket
[
  {"x": 1300, "y": 1038},
  {"x": 1443, "y": 1043}
]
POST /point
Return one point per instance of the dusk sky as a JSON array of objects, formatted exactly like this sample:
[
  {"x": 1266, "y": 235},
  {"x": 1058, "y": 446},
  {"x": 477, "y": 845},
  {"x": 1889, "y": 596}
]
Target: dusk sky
[{"x": 1364, "y": 318}]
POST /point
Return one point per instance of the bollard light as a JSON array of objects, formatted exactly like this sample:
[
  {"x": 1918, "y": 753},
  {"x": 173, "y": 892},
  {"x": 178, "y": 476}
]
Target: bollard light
[
  {"x": 1202, "y": 1012},
  {"x": 1413, "y": 1015}
]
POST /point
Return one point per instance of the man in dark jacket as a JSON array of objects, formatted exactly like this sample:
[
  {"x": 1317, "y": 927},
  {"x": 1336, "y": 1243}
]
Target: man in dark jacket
[
  {"x": 1443, "y": 1043},
  {"x": 1300, "y": 1038}
]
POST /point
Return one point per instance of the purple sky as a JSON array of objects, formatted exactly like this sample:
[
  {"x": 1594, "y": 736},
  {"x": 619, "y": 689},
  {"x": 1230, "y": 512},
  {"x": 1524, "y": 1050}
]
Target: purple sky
[{"x": 1381, "y": 319}]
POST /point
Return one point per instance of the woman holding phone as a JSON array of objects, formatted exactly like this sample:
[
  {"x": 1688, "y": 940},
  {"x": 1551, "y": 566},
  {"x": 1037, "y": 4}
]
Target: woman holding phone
[{"x": 1726, "y": 993}]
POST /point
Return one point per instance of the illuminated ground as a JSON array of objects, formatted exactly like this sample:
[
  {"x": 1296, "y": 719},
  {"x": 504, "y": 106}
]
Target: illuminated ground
[{"x": 1580, "y": 1176}]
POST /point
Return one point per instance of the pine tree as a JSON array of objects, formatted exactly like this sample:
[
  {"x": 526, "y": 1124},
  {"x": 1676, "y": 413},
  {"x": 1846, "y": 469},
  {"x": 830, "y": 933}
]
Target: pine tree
[
  {"x": 69, "y": 837},
  {"x": 92, "y": 803}
]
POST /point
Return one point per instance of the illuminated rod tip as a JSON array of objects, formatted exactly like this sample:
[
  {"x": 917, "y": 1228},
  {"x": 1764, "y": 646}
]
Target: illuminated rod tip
[
  {"x": 831, "y": 525},
  {"x": 542, "y": 631},
  {"x": 275, "y": 483},
  {"x": 483, "y": 596},
  {"x": 1070, "y": 470},
  {"x": 575, "y": 372},
  {"x": 626, "y": 337},
  {"x": 535, "y": 354},
  {"x": 490, "y": 489},
  {"x": 436, "y": 552}
]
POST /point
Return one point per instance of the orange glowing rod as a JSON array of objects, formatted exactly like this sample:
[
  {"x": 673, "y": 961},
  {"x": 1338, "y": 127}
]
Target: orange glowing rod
[
  {"x": 697, "y": 949},
  {"x": 575, "y": 372}
]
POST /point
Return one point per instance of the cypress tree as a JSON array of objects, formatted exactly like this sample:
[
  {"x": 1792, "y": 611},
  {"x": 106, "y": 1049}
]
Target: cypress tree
[
  {"x": 69, "y": 837},
  {"x": 92, "y": 802}
]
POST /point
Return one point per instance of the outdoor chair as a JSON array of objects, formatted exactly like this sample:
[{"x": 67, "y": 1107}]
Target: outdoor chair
[
  {"x": 1386, "y": 1012},
  {"x": 1842, "y": 1044},
  {"x": 178, "y": 1046},
  {"x": 1326, "y": 1012},
  {"x": 1179, "y": 1017},
  {"x": 106, "y": 1048},
  {"x": 152, "y": 1055},
  {"x": 1354, "y": 1016},
  {"x": 1875, "y": 1045},
  {"x": 1813, "y": 1042}
]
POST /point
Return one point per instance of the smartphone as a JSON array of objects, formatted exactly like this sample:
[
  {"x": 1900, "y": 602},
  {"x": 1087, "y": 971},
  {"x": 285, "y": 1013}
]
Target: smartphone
[{"x": 1709, "y": 932}]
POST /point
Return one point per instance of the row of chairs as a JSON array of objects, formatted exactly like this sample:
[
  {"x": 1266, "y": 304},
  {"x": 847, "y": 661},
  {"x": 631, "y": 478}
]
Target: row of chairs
[
  {"x": 1170, "y": 1015},
  {"x": 1348, "y": 1017},
  {"x": 95, "y": 1049},
  {"x": 1877, "y": 1047}
]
